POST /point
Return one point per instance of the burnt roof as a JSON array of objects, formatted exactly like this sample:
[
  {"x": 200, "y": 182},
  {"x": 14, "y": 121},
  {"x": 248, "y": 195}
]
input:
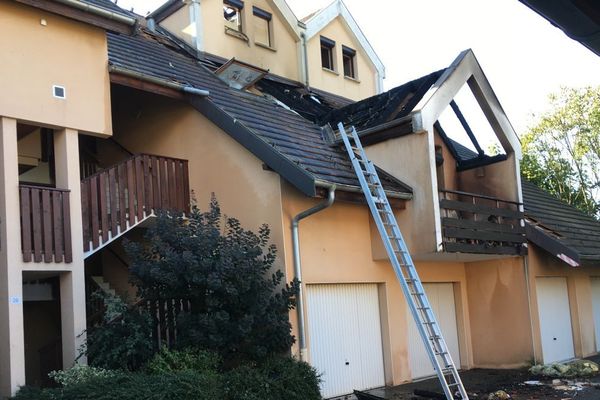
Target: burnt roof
[
  {"x": 385, "y": 107},
  {"x": 288, "y": 143},
  {"x": 311, "y": 103},
  {"x": 574, "y": 228}
]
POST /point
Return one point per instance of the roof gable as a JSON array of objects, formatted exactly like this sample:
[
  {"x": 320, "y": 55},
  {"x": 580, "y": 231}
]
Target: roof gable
[
  {"x": 466, "y": 70},
  {"x": 317, "y": 21}
]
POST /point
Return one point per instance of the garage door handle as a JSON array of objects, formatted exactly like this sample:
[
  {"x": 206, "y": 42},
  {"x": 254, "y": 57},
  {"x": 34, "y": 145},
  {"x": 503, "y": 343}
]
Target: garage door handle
[
  {"x": 347, "y": 363},
  {"x": 554, "y": 339}
]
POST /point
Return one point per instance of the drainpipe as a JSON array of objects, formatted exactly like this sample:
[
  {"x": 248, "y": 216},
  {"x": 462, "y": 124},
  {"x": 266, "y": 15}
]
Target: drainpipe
[
  {"x": 526, "y": 266},
  {"x": 159, "y": 81},
  {"x": 298, "y": 266},
  {"x": 304, "y": 58}
]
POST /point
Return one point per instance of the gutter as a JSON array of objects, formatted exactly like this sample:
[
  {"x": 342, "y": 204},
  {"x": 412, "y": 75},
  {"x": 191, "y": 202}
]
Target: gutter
[
  {"x": 354, "y": 189},
  {"x": 298, "y": 266},
  {"x": 159, "y": 81},
  {"x": 102, "y": 12}
]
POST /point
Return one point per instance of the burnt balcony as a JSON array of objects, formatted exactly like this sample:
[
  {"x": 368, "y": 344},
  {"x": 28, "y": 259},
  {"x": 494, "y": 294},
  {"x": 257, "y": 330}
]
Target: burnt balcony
[{"x": 479, "y": 224}]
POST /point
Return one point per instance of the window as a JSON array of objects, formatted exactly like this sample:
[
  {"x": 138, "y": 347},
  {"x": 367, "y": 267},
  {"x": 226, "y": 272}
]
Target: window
[
  {"x": 232, "y": 13},
  {"x": 349, "y": 59},
  {"x": 327, "y": 53},
  {"x": 262, "y": 27}
]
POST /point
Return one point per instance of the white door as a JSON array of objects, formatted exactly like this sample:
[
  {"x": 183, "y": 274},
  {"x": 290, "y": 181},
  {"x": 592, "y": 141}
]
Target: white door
[
  {"x": 345, "y": 337},
  {"x": 596, "y": 309},
  {"x": 555, "y": 319},
  {"x": 441, "y": 297}
]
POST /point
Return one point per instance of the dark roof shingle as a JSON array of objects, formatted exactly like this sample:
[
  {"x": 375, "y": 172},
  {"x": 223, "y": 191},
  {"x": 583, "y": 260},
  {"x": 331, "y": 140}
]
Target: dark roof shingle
[
  {"x": 576, "y": 229},
  {"x": 296, "y": 138}
]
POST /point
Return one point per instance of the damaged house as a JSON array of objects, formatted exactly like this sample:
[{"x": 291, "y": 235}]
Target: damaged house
[{"x": 117, "y": 116}]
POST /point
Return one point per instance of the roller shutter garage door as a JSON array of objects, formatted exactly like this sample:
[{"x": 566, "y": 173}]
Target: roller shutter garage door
[
  {"x": 596, "y": 308},
  {"x": 441, "y": 297},
  {"x": 344, "y": 331},
  {"x": 555, "y": 319}
]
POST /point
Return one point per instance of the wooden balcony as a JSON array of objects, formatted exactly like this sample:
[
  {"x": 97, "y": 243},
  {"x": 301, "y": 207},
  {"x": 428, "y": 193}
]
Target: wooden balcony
[
  {"x": 479, "y": 224},
  {"x": 113, "y": 201},
  {"x": 119, "y": 198},
  {"x": 45, "y": 224}
]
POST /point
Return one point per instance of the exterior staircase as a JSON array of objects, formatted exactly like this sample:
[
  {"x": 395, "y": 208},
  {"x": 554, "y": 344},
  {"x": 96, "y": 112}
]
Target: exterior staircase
[{"x": 117, "y": 199}]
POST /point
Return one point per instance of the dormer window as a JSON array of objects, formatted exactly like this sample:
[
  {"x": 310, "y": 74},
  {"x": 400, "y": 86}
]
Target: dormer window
[
  {"x": 349, "y": 59},
  {"x": 263, "y": 32},
  {"x": 232, "y": 13},
  {"x": 327, "y": 53}
]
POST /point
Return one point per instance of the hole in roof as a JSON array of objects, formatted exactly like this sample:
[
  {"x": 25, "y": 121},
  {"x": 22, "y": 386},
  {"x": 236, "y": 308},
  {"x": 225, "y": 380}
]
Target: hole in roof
[{"x": 467, "y": 105}]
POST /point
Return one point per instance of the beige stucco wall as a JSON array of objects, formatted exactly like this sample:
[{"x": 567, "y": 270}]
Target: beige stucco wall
[
  {"x": 217, "y": 163},
  {"x": 498, "y": 304},
  {"x": 282, "y": 58},
  {"x": 336, "y": 248},
  {"x": 498, "y": 180},
  {"x": 61, "y": 52},
  {"x": 366, "y": 83},
  {"x": 408, "y": 158},
  {"x": 543, "y": 264}
]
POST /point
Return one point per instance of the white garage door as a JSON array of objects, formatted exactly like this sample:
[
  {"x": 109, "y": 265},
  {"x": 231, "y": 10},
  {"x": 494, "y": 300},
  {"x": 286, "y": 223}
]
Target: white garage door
[
  {"x": 345, "y": 337},
  {"x": 555, "y": 319},
  {"x": 441, "y": 297},
  {"x": 596, "y": 309}
]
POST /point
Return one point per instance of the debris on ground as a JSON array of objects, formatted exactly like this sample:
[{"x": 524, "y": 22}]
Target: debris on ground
[
  {"x": 499, "y": 395},
  {"x": 579, "y": 368},
  {"x": 429, "y": 394}
]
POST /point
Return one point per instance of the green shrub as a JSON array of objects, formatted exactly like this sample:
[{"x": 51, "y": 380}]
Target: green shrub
[
  {"x": 123, "y": 340},
  {"x": 167, "y": 361},
  {"x": 278, "y": 378},
  {"x": 239, "y": 306},
  {"x": 184, "y": 385},
  {"x": 80, "y": 374}
]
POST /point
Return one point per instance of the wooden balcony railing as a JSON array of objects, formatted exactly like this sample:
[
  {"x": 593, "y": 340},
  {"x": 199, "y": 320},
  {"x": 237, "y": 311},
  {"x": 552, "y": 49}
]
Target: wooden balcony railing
[
  {"x": 118, "y": 198},
  {"x": 473, "y": 223},
  {"x": 45, "y": 224}
]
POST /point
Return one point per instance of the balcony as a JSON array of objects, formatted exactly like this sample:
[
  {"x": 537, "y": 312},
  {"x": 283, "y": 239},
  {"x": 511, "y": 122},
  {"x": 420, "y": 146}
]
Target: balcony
[
  {"x": 113, "y": 201},
  {"x": 478, "y": 224}
]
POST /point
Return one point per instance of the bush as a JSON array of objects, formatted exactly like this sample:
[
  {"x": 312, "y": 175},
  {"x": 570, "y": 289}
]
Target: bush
[
  {"x": 123, "y": 340},
  {"x": 80, "y": 374},
  {"x": 276, "y": 379},
  {"x": 167, "y": 361},
  {"x": 238, "y": 307},
  {"x": 184, "y": 385}
]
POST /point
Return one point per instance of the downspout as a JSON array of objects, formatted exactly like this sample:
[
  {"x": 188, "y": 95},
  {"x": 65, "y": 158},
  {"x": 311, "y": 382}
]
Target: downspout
[
  {"x": 196, "y": 20},
  {"x": 298, "y": 266},
  {"x": 304, "y": 58},
  {"x": 526, "y": 267}
]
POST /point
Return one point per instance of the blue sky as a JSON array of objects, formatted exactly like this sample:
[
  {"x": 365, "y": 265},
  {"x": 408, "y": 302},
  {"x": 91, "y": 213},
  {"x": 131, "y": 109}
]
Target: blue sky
[{"x": 524, "y": 57}]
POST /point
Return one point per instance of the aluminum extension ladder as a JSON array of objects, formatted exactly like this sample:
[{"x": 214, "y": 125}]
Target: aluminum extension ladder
[{"x": 404, "y": 268}]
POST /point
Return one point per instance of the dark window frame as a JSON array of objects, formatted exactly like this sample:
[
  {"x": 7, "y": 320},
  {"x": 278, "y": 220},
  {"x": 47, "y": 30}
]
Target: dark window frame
[
  {"x": 349, "y": 62},
  {"x": 327, "y": 53},
  {"x": 268, "y": 17},
  {"x": 237, "y": 6}
]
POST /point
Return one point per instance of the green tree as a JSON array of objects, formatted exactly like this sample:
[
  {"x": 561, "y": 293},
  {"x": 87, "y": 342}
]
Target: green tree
[
  {"x": 561, "y": 152},
  {"x": 239, "y": 306}
]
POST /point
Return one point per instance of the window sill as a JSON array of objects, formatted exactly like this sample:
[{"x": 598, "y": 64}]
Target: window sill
[
  {"x": 355, "y": 80},
  {"x": 265, "y": 46},
  {"x": 236, "y": 34},
  {"x": 330, "y": 71}
]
